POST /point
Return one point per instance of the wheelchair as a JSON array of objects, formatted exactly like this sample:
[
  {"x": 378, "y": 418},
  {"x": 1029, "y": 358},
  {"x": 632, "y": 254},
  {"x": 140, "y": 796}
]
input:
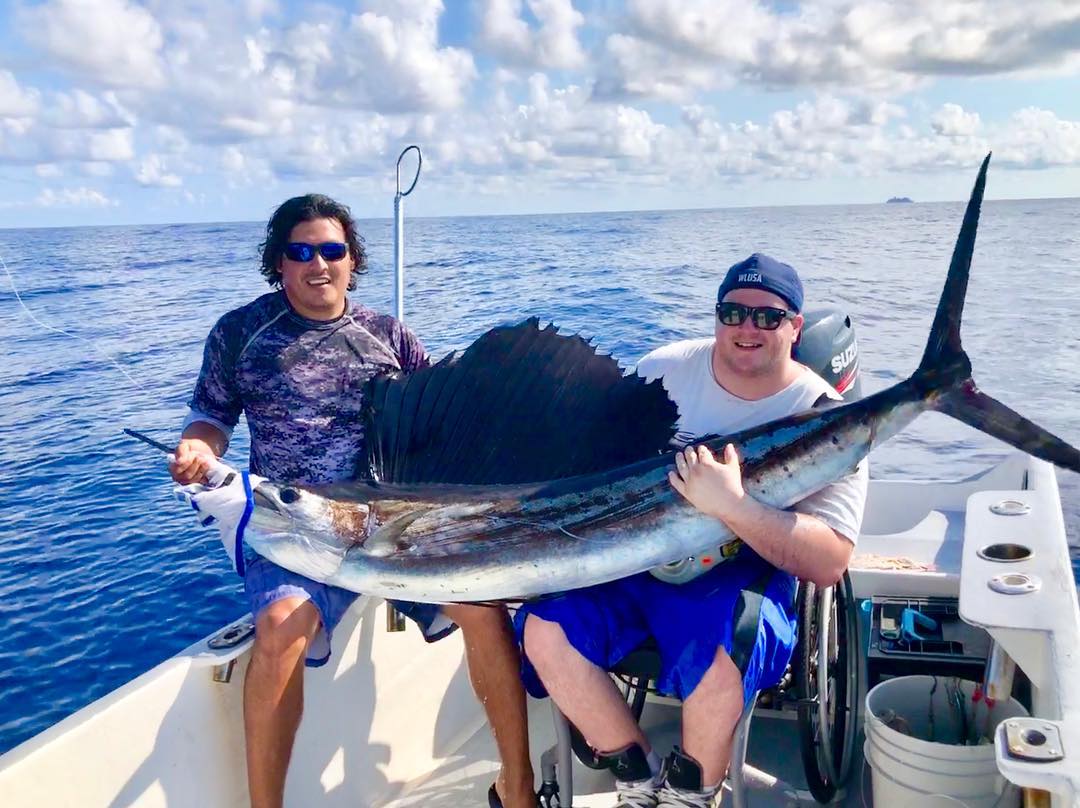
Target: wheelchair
[
  {"x": 821, "y": 684},
  {"x": 822, "y": 678}
]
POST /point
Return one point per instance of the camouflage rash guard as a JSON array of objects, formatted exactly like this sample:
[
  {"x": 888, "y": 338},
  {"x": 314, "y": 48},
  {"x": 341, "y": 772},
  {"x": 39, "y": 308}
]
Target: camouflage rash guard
[{"x": 300, "y": 384}]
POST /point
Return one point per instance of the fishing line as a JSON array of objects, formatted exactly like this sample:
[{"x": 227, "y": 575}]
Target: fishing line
[
  {"x": 134, "y": 384},
  {"x": 46, "y": 326}
]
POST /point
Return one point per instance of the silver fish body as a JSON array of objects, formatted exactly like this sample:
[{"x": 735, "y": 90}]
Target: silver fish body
[{"x": 520, "y": 542}]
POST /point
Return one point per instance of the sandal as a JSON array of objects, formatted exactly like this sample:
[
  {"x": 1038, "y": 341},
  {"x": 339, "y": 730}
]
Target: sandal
[{"x": 495, "y": 802}]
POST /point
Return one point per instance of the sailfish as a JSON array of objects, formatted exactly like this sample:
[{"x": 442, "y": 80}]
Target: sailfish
[{"x": 530, "y": 464}]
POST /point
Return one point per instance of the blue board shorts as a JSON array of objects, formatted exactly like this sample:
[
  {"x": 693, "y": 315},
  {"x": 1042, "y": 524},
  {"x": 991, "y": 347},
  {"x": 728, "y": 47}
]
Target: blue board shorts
[
  {"x": 689, "y": 622},
  {"x": 266, "y": 582}
]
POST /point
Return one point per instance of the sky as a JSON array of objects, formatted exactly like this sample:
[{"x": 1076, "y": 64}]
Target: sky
[{"x": 129, "y": 111}]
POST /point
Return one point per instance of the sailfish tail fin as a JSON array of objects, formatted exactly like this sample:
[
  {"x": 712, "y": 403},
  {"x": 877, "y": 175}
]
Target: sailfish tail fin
[
  {"x": 968, "y": 404},
  {"x": 946, "y": 369},
  {"x": 943, "y": 347}
]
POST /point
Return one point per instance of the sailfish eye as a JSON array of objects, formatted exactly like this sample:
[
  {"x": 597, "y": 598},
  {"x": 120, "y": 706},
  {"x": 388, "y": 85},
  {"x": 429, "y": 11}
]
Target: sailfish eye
[{"x": 289, "y": 495}]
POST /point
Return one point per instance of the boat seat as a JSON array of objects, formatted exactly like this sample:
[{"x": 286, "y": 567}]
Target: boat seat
[{"x": 821, "y": 664}]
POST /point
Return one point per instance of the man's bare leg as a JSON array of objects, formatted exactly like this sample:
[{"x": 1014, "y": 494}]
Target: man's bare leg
[
  {"x": 274, "y": 695},
  {"x": 495, "y": 672},
  {"x": 710, "y": 715},
  {"x": 585, "y": 693}
]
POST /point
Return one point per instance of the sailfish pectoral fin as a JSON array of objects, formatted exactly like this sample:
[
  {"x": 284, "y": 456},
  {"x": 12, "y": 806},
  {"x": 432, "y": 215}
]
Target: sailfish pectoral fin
[
  {"x": 386, "y": 539},
  {"x": 970, "y": 405}
]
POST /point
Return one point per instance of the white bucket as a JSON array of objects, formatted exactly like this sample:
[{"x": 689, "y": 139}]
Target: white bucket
[{"x": 910, "y": 770}]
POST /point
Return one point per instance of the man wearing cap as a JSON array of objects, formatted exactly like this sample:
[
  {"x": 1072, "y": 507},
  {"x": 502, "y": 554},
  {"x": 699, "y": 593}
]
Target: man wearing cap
[{"x": 730, "y": 631}]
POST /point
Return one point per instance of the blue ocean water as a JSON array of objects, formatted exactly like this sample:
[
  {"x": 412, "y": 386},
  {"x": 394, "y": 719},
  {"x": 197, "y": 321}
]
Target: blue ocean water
[{"x": 105, "y": 575}]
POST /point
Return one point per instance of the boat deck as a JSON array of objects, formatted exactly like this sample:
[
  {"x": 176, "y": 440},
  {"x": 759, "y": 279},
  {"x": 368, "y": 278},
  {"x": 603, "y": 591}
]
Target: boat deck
[{"x": 464, "y": 779}]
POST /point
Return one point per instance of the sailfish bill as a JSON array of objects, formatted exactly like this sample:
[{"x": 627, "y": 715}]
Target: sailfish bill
[{"x": 530, "y": 465}]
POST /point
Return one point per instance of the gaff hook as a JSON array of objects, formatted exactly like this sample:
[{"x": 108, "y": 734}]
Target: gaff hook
[{"x": 397, "y": 172}]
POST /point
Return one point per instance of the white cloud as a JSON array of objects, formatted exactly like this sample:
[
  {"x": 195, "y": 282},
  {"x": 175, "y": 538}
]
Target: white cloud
[
  {"x": 505, "y": 33},
  {"x": 953, "y": 121},
  {"x": 170, "y": 139},
  {"x": 257, "y": 9},
  {"x": 81, "y": 197},
  {"x": 15, "y": 102},
  {"x": 502, "y": 29},
  {"x": 815, "y": 140},
  {"x": 327, "y": 149},
  {"x": 635, "y": 67},
  {"x": 79, "y": 109},
  {"x": 152, "y": 171},
  {"x": 233, "y": 161},
  {"x": 331, "y": 93},
  {"x": 872, "y": 45},
  {"x": 112, "y": 42},
  {"x": 280, "y": 84},
  {"x": 111, "y": 145},
  {"x": 633, "y": 133},
  {"x": 560, "y": 133},
  {"x": 95, "y": 168},
  {"x": 102, "y": 147},
  {"x": 1037, "y": 138},
  {"x": 244, "y": 169},
  {"x": 932, "y": 37},
  {"x": 396, "y": 64}
]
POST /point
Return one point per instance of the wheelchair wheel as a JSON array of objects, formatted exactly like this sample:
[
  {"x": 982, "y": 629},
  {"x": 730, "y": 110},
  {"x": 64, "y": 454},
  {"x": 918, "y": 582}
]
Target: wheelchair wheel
[
  {"x": 635, "y": 690},
  {"x": 828, "y": 660}
]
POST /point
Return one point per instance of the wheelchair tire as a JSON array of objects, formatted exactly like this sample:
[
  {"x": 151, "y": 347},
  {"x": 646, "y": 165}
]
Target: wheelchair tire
[{"x": 827, "y": 746}]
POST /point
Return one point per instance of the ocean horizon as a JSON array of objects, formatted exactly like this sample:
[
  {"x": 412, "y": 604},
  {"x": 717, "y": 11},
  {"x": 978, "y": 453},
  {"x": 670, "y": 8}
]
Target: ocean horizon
[{"x": 411, "y": 218}]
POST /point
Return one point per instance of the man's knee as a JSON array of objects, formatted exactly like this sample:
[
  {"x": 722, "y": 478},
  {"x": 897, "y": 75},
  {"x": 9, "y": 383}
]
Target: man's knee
[
  {"x": 543, "y": 640},
  {"x": 727, "y": 673},
  {"x": 285, "y": 627},
  {"x": 721, "y": 685}
]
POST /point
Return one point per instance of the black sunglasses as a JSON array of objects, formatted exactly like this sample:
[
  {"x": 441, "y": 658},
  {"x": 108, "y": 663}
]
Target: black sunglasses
[
  {"x": 767, "y": 318},
  {"x": 330, "y": 250}
]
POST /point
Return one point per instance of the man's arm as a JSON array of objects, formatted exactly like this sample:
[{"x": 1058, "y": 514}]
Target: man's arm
[
  {"x": 215, "y": 403},
  {"x": 794, "y": 542},
  {"x": 200, "y": 444}
]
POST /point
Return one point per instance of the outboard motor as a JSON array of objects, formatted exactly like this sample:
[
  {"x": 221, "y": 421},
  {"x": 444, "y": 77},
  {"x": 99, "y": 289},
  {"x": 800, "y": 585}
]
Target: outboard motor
[{"x": 828, "y": 347}]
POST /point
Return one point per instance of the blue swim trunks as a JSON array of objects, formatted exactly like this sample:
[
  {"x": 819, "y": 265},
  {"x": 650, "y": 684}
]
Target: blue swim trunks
[
  {"x": 266, "y": 582},
  {"x": 689, "y": 622}
]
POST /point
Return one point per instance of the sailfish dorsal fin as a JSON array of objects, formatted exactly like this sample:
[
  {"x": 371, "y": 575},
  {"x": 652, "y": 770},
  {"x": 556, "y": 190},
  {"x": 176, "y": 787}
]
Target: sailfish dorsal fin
[{"x": 521, "y": 404}]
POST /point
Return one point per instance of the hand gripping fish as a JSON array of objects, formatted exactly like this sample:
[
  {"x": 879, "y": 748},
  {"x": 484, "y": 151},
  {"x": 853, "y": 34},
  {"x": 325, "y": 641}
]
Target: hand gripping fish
[{"x": 530, "y": 465}]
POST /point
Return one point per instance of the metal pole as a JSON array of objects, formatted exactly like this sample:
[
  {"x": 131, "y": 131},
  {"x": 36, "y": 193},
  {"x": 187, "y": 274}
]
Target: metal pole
[
  {"x": 399, "y": 259},
  {"x": 399, "y": 232},
  {"x": 394, "y": 620}
]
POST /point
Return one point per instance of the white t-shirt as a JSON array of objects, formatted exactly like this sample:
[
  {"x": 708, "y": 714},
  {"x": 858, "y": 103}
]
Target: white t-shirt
[{"x": 706, "y": 408}]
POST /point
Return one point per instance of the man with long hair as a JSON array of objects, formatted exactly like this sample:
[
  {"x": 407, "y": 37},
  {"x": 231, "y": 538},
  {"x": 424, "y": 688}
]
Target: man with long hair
[{"x": 294, "y": 362}]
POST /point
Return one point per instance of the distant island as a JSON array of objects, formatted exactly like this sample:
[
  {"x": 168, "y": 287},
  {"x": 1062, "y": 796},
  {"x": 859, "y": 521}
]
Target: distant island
[{"x": 894, "y": 199}]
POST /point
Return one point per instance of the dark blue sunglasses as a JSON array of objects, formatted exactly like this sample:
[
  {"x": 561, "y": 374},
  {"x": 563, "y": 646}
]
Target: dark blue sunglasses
[
  {"x": 767, "y": 318},
  {"x": 329, "y": 250}
]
